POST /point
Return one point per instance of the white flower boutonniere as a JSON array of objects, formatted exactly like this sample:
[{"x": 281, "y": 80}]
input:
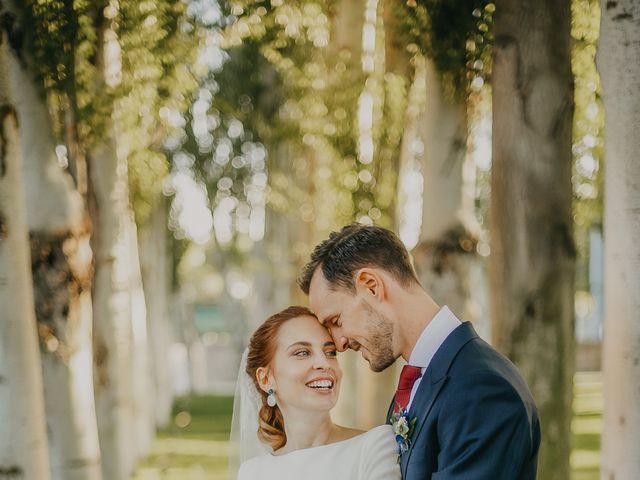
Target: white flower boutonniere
[{"x": 402, "y": 426}]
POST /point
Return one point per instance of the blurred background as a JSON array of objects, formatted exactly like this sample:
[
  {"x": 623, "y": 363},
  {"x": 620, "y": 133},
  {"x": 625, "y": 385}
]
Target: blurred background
[{"x": 168, "y": 165}]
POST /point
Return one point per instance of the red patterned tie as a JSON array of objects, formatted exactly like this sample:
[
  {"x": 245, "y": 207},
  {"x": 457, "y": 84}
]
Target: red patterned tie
[{"x": 408, "y": 377}]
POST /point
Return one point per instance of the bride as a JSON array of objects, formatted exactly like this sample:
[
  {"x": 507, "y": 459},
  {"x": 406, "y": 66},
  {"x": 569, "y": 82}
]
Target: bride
[{"x": 282, "y": 423}]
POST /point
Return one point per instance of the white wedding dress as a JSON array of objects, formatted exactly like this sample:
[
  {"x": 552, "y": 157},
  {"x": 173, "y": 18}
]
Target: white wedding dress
[{"x": 369, "y": 456}]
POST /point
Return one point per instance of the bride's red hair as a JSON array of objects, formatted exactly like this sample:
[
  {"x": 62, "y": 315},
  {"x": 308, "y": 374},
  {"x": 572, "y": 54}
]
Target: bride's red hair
[{"x": 262, "y": 348}]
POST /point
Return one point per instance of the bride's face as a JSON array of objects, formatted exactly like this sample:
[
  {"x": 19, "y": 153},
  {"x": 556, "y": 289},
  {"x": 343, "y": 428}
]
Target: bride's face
[{"x": 304, "y": 372}]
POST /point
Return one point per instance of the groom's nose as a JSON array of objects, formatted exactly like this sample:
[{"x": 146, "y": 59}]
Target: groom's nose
[{"x": 342, "y": 343}]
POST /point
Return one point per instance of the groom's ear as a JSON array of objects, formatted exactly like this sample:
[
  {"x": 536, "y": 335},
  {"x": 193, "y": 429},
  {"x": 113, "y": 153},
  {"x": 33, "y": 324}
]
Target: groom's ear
[{"x": 371, "y": 281}]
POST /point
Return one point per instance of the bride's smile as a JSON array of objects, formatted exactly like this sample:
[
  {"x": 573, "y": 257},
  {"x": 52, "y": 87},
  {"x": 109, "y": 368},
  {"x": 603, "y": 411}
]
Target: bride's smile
[{"x": 321, "y": 384}]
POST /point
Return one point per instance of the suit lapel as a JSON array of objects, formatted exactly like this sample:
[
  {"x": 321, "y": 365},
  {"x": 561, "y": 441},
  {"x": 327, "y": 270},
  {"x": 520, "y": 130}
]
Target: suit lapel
[
  {"x": 435, "y": 377},
  {"x": 421, "y": 406}
]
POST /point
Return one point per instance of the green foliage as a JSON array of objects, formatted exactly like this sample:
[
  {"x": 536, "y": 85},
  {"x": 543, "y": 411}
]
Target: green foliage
[
  {"x": 319, "y": 95},
  {"x": 50, "y": 30},
  {"x": 159, "y": 46},
  {"x": 59, "y": 42},
  {"x": 588, "y": 130},
  {"x": 455, "y": 36},
  {"x": 282, "y": 88},
  {"x": 154, "y": 44},
  {"x": 320, "y": 89}
]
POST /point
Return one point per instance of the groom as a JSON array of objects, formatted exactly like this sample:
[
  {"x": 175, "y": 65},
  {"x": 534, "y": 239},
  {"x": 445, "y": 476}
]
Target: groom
[{"x": 475, "y": 417}]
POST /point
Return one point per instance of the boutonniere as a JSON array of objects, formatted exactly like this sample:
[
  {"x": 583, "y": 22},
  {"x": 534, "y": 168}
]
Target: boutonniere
[{"x": 402, "y": 426}]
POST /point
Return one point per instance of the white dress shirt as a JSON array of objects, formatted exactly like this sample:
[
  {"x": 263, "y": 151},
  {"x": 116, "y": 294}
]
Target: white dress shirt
[{"x": 434, "y": 335}]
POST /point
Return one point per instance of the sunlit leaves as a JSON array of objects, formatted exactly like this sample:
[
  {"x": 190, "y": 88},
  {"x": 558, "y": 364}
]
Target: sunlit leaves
[
  {"x": 113, "y": 67},
  {"x": 588, "y": 129},
  {"x": 158, "y": 52},
  {"x": 319, "y": 117},
  {"x": 455, "y": 36}
]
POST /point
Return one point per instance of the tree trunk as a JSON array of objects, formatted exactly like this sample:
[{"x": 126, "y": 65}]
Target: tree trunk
[
  {"x": 533, "y": 254},
  {"x": 113, "y": 332},
  {"x": 119, "y": 306},
  {"x": 446, "y": 253},
  {"x": 143, "y": 401},
  {"x": 410, "y": 178},
  {"x": 23, "y": 445},
  {"x": 156, "y": 278},
  {"x": 397, "y": 59},
  {"x": 619, "y": 66},
  {"x": 347, "y": 19},
  {"x": 61, "y": 268}
]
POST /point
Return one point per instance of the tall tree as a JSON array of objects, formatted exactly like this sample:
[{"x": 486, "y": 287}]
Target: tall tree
[
  {"x": 156, "y": 279},
  {"x": 446, "y": 255},
  {"x": 533, "y": 254},
  {"x": 139, "y": 78},
  {"x": 115, "y": 265},
  {"x": 453, "y": 37},
  {"x": 23, "y": 444},
  {"x": 619, "y": 66},
  {"x": 61, "y": 259}
]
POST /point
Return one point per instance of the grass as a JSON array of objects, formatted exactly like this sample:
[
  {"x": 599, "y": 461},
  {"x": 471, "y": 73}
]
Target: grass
[
  {"x": 586, "y": 426},
  {"x": 195, "y": 446}
]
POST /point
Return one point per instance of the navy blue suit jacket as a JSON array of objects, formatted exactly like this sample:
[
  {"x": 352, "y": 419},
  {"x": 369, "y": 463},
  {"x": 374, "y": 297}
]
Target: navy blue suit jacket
[{"x": 475, "y": 417}]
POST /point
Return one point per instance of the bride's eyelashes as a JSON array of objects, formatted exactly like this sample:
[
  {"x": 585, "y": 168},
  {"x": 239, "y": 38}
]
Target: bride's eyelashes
[{"x": 332, "y": 353}]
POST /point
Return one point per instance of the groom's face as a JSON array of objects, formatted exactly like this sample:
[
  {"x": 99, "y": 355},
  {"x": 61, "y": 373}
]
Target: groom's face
[{"x": 354, "y": 321}]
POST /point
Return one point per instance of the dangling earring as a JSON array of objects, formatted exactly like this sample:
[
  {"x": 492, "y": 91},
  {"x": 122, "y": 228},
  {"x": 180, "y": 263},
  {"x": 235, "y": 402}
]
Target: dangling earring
[{"x": 271, "y": 398}]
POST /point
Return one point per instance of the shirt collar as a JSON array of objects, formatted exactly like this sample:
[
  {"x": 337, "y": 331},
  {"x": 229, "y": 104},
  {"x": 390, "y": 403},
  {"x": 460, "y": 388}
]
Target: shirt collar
[{"x": 434, "y": 334}]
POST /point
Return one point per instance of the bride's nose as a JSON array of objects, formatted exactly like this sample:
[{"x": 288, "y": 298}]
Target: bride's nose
[{"x": 321, "y": 362}]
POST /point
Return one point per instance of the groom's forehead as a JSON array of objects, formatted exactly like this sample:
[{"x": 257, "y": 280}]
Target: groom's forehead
[
  {"x": 318, "y": 281},
  {"x": 320, "y": 288},
  {"x": 318, "y": 291}
]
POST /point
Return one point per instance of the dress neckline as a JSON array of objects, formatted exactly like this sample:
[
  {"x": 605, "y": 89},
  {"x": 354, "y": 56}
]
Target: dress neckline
[{"x": 272, "y": 454}]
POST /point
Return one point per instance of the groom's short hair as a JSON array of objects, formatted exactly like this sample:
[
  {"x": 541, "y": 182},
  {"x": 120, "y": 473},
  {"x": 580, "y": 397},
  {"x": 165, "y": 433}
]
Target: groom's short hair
[{"x": 357, "y": 246}]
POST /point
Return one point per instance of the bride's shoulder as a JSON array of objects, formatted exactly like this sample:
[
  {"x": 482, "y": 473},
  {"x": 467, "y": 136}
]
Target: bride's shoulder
[
  {"x": 379, "y": 439},
  {"x": 381, "y": 432},
  {"x": 249, "y": 468}
]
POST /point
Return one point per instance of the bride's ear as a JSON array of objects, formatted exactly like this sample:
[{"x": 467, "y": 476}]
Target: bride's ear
[{"x": 262, "y": 375}]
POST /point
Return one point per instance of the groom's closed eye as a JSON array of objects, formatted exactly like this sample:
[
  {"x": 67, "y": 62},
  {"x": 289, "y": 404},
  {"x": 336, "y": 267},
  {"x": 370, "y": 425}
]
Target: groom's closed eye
[{"x": 333, "y": 322}]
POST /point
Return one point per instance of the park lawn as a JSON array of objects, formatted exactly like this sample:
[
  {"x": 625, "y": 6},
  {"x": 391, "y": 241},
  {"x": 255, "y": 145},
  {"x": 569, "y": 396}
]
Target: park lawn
[
  {"x": 198, "y": 449},
  {"x": 587, "y": 426},
  {"x": 195, "y": 445}
]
